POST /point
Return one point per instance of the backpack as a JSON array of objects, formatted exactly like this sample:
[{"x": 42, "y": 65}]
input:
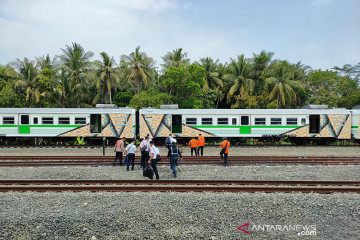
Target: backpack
[
  {"x": 158, "y": 158},
  {"x": 167, "y": 141},
  {"x": 143, "y": 149}
]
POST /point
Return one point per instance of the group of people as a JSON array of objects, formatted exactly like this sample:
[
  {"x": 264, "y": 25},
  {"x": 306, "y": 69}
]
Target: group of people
[
  {"x": 150, "y": 154},
  {"x": 197, "y": 145}
]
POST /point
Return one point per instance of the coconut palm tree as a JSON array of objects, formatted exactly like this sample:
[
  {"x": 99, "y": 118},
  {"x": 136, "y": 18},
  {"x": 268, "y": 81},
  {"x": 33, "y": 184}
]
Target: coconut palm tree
[
  {"x": 283, "y": 85},
  {"x": 107, "y": 79},
  {"x": 212, "y": 80},
  {"x": 77, "y": 62},
  {"x": 138, "y": 69},
  {"x": 238, "y": 73},
  {"x": 27, "y": 77},
  {"x": 176, "y": 58}
]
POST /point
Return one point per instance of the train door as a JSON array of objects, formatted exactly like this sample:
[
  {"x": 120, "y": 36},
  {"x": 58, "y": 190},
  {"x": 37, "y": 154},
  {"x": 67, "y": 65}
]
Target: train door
[
  {"x": 176, "y": 124},
  {"x": 245, "y": 124},
  {"x": 314, "y": 124},
  {"x": 24, "y": 124},
  {"x": 95, "y": 123}
]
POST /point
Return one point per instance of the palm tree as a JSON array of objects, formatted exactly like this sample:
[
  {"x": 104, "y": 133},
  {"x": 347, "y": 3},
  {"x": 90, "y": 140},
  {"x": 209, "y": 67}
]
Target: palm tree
[
  {"x": 261, "y": 62},
  {"x": 27, "y": 78},
  {"x": 238, "y": 73},
  {"x": 283, "y": 85},
  {"x": 212, "y": 80},
  {"x": 77, "y": 62},
  {"x": 176, "y": 58},
  {"x": 107, "y": 77},
  {"x": 138, "y": 69}
]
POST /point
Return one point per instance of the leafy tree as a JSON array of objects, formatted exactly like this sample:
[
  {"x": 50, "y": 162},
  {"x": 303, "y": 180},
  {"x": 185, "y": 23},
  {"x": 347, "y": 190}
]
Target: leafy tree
[
  {"x": 260, "y": 65},
  {"x": 212, "y": 80},
  {"x": 238, "y": 73},
  {"x": 246, "y": 102},
  {"x": 328, "y": 87},
  {"x": 27, "y": 78},
  {"x": 149, "y": 98},
  {"x": 176, "y": 58},
  {"x": 283, "y": 86},
  {"x": 77, "y": 62},
  {"x": 107, "y": 77},
  {"x": 122, "y": 99},
  {"x": 350, "y": 71},
  {"x": 138, "y": 69}
]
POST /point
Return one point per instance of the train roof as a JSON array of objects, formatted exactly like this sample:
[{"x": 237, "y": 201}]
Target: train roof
[
  {"x": 244, "y": 111},
  {"x": 65, "y": 110}
]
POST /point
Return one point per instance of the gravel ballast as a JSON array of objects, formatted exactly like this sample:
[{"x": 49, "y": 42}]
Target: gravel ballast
[
  {"x": 208, "y": 151},
  {"x": 103, "y": 215},
  {"x": 206, "y": 172}
]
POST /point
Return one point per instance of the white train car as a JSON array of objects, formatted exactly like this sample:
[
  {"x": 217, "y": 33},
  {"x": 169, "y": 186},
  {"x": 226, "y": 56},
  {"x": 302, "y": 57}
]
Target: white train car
[
  {"x": 299, "y": 125},
  {"x": 68, "y": 122}
]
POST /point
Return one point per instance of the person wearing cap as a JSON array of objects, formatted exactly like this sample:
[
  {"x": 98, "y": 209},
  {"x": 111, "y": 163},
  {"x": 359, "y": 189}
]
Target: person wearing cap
[
  {"x": 193, "y": 145},
  {"x": 144, "y": 149},
  {"x": 154, "y": 151},
  {"x": 174, "y": 154},
  {"x": 201, "y": 143},
  {"x": 119, "y": 150},
  {"x": 130, "y": 151},
  {"x": 224, "y": 153},
  {"x": 149, "y": 138}
]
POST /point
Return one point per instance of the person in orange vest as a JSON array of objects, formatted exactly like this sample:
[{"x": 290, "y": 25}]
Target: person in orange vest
[
  {"x": 119, "y": 150},
  {"x": 193, "y": 145},
  {"x": 201, "y": 143},
  {"x": 224, "y": 150}
]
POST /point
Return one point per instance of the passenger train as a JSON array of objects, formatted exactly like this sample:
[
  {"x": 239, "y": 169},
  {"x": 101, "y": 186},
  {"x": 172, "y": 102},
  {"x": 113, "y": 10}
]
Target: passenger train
[{"x": 312, "y": 122}]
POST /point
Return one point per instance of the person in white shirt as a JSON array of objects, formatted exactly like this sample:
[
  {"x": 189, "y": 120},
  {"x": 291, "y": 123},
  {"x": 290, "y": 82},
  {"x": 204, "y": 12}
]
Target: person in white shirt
[
  {"x": 144, "y": 149},
  {"x": 130, "y": 151},
  {"x": 154, "y": 151}
]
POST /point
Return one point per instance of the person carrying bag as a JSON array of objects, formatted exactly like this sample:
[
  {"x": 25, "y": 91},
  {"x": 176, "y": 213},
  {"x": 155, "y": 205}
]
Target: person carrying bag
[{"x": 224, "y": 150}]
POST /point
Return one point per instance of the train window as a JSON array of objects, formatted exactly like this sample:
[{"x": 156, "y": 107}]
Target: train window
[
  {"x": 191, "y": 121},
  {"x": 95, "y": 123},
  {"x": 234, "y": 121},
  {"x": 291, "y": 121},
  {"x": 80, "y": 120},
  {"x": 303, "y": 121},
  {"x": 222, "y": 121},
  {"x": 206, "y": 121},
  {"x": 244, "y": 120},
  {"x": 65, "y": 120},
  {"x": 260, "y": 121},
  {"x": 24, "y": 119},
  {"x": 276, "y": 121},
  {"x": 35, "y": 120},
  {"x": 8, "y": 120},
  {"x": 47, "y": 120}
]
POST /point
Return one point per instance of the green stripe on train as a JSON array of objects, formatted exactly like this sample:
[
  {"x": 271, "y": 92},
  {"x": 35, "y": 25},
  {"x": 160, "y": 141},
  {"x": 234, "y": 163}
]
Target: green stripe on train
[
  {"x": 44, "y": 126},
  {"x": 196, "y": 126},
  {"x": 354, "y": 127}
]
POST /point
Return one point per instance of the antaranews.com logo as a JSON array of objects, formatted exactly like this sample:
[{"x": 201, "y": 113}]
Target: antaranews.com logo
[{"x": 301, "y": 230}]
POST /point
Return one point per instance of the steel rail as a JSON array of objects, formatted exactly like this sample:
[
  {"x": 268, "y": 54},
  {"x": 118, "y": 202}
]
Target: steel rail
[
  {"x": 139, "y": 188},
  {"x": 176, "y": 182}
]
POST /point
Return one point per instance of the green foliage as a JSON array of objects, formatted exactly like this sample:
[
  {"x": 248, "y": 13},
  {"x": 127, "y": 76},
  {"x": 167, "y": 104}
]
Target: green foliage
[
  {"x": 149, "y": 98},
  {"x": 122, "y": 99},
  {"x": 80, "y": 141},
  {"x": 72, "y": 80},
  {"x": 329, "y": 87}
]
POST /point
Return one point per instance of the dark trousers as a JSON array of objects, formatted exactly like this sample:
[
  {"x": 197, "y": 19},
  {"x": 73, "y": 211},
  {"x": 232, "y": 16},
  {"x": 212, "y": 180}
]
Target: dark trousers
[
  {"x": 119, "y": 156},
  {"x": 202, "y": 151},
  {"x": 224, "y": 158},
  {"x": 131, "y": 159},
  {"x": 153, "y": 165},
  {"x": 173, "y": 164},
  {"x": 144, "y": 158},
  {"x": 194, "y": 149}
]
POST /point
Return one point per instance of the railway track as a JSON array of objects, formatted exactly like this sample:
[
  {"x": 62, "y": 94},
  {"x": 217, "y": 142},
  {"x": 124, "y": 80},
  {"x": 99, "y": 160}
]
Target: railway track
[
  {"x": 180, "y": 186},
  {"x": 42, "y": 161}
]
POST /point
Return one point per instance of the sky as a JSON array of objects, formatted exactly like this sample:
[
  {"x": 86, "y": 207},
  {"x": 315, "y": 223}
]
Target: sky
[{"x": 319, "y": 33}]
